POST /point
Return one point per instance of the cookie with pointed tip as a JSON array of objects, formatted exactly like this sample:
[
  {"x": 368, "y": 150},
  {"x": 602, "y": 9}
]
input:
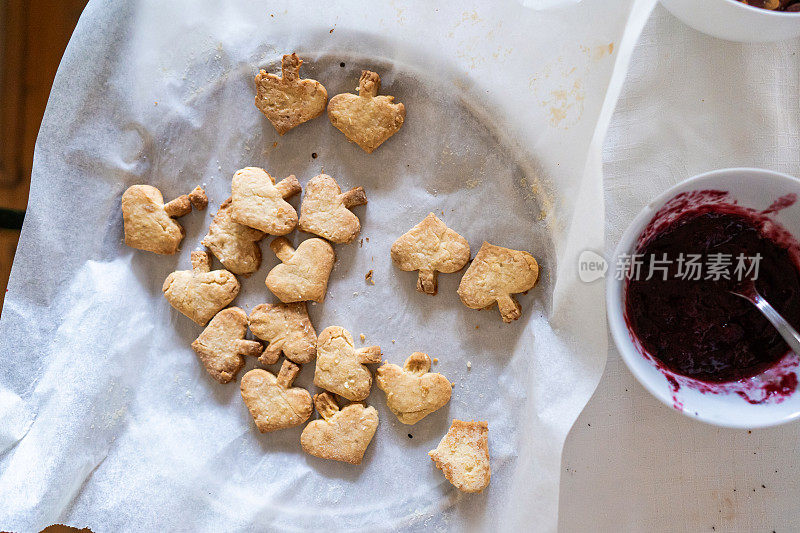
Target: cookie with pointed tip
[
  {"x": 463, "y": 456},
  {"x": 288, "y": 101},
  {"x": 149, "y": 223},
  {"x": 430, "y": 247},
  {"x": 234, "y": 244},
  {"x": 341, "y": 368},
  {"x": 341, "y": 435},
  {"x": 413, "y": 392},
  {"x": 200, "y": 293},
  {"x": 287, "y": 329},
  {"x": 325, "y": 210},
  {"x": 221, "y": 346},
  {"x": 366, "y": 118},
  {"x": 272, "y": 401},
  {"x": 259, "y": 203},
  {"x": 303, "y": 273},
  {"x": 494, "y": 275}
]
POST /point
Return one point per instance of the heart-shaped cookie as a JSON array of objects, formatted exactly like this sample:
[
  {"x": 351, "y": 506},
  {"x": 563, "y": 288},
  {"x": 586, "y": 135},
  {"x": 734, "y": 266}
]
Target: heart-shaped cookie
[
  {"x": 287, "y": 329},
  {"x": 289, "y": 100},
  {"x": 257, "y": 202},
  {"x": 200, "y": 293},
  {"x": 325, "y": 211},
  {"x": 366, "y": 119},
  {"x": 340, "y": 435},
  {"x": 272, "y": 401},
  {"x": 234, "y": 244},
  {"x": 221, "y": 346},
  {"x": 430, "y": 247},
  {"x": 303, "y": 273},
  {"x": 463, "y": 456},
  {"x": 494, "y": 275},
  {"x": 341, "y": 367},
  {"x": 412, "y": 392},
  {"x": 149, "y": 223}
]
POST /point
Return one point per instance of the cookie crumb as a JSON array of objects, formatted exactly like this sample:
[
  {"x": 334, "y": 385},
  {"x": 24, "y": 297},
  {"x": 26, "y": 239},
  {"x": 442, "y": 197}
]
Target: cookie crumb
[
  {"x": 363, "y": 337},
  {"x": 198, "y": 198},
  {"x": 361, "y": 243},
  {"x": 275, "y": 144},
  {"x": 368, "y": 278},
  {"x": 435, "y": 360},
  {"x": 477, "y": 327},
  {"x": 469, "y": 365},
  {"x": 392, "y": 341},
  {"x": 355, "y": 294},
  {"x": 367, "y": 238}
]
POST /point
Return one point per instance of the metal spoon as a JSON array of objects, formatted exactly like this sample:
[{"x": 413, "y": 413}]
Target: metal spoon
[{"x": 747, "y": 290}]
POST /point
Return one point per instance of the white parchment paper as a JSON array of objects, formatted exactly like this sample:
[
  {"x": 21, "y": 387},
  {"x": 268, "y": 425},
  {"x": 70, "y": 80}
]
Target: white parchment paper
[{"x": 109, "y": 421}]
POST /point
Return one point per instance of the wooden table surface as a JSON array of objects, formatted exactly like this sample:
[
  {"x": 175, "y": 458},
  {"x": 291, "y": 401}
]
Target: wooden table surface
[{"x": 34, "y": 34}]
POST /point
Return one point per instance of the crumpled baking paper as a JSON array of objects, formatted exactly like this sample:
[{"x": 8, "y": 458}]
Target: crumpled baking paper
[{"x": 108, "y": 419}]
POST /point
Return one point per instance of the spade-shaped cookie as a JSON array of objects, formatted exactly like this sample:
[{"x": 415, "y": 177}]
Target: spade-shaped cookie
[
  {"x": 325, "y": 210},
  {"x": 234, "y": 244},
  {"x": 287, "y": 329},
  {"x": 341, "y": 435},
  {"x": 494, "y": 275},
  {"x": 303, "y": 273},
  {"x": 200, "y": 293},
  {"x": 366, "y": 119},
  {"x": 341, "y": 367},
  {"x": 221, "y": 346},
  {"x": 288, "y": 100},
  {"x": 430, "y": 247},
  {"x": 272, "y": 401},
  {"x": 149, "y": 223},
  {"x": 259, "y": 203},
  {"x": 413, "y": 392}
]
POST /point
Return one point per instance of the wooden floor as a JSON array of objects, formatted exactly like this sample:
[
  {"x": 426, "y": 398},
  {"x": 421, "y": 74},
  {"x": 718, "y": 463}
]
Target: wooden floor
[{"x": 34, "y": 34}]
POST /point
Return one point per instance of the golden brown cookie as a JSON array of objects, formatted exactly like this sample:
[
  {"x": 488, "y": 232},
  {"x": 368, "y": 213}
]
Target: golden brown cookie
[
  {"x": 273, "y": 402},
  {"x": 287, "y": 329},
  {"x": 149, "y": 223},
  {"x": 257, "y": 202},
  {"x": 430, "y": 247},
  {"x": 289, "y": 101},
  {"x": 341, "y": 435},
  {"x": 366, "y": 119},
  {"x": 200, "y": 293},
  {"x": 494, "y": 275},
  {"x": 221, "y": 346},
  {"x": 413, "y": 392},
  {"x": 463, "y": 456},
  {"x": 325, "y": 210},
  {"x": 234, "y": 244},
  {"x": 341, "y": 367},
  {"x": 198, "y": 198},
  {"x": 303, "y": 273}
]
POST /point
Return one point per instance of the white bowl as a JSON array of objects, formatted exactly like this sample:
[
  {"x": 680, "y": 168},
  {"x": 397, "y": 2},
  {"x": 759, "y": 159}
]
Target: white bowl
[
  {"x": 735, "y": 21},
  {"x": 723, "y": 405}
]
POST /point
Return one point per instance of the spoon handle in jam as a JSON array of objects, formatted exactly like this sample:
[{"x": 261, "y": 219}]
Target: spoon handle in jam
[{"x": 788, "y": 333}]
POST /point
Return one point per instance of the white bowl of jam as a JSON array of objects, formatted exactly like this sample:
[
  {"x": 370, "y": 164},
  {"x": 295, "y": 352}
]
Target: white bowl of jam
[
  {"x": 691, "y": 342},
  {"x": 735, "y": 20}
]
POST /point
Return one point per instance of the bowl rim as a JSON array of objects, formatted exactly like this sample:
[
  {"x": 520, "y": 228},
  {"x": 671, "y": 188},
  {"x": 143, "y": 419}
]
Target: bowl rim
[
  {"x": 614, "y": 307},
  {"x": 762, "y": 11}
]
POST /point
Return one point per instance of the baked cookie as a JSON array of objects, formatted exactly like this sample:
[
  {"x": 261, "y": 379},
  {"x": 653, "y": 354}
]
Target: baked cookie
[
  {"x": 289, "y": 101},
  {"x": 200, "y": 293},
  {"x": 287, "y": 329},
  {"x": 341, "y": 367},
  {"x": 303, "y": 273},
  {"x": 413, "y": 392},
  {"x": 149, "y": 223},
  {"x": 257, "y": 202},
  {"x": 341, "y": 435},
  {"x": 366, "y": 119},
  {"x": 325, "y": 210},
  {"x": 234, "y": 244},
  {"x": 430, "y": 247},
  {"x": 221, "y": 346},
  {"x": 272, "y": 401},
  {"x": 198, "y": 198},
  {"x": 463, "y": 456},
  {"x": 494, "y": 275}
]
